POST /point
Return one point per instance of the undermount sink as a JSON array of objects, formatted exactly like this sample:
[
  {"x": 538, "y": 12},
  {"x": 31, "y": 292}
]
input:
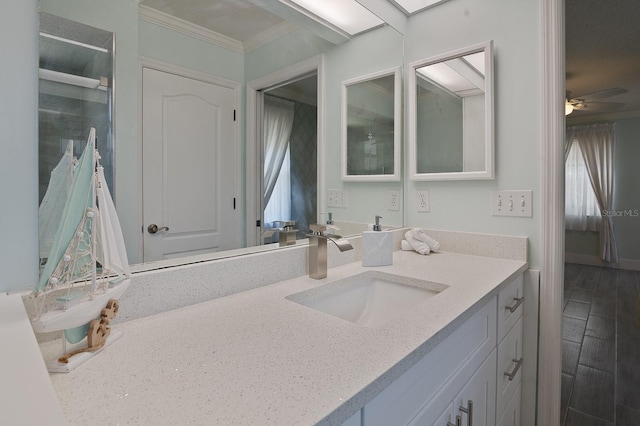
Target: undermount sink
[{"x": 370, "y": 298}]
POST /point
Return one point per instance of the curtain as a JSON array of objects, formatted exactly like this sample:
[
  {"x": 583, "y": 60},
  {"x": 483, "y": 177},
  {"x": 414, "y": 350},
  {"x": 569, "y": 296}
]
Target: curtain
[
  {"x": 581, "y": 207},
  {"x": 277, "y": 124},
  {"x": 279, "y": 205},
  {"x": 597, "y": 143}
]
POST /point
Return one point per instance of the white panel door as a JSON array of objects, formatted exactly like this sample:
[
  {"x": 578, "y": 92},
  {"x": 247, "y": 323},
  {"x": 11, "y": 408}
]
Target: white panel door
[{"x": 189, "y": 166}]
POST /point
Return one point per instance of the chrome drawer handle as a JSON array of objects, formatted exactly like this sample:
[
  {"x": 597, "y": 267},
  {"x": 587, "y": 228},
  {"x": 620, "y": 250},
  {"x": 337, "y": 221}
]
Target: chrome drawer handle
[
  {"x": 512, "y": 375},
  {"x": 469, "y": 411},
  {"x": 513, "y": 308},
  {"x": 458, "y": 422}
]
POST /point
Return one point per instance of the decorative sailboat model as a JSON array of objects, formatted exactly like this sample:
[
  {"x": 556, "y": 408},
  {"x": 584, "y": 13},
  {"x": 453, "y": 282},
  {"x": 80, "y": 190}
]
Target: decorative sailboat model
[{"x": 72, "y": 294}]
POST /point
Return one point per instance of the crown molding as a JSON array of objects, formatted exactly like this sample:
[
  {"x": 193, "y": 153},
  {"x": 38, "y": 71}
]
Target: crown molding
[
  {"x": 269, "y": 35},
  {"x": 176, "y": 24}
]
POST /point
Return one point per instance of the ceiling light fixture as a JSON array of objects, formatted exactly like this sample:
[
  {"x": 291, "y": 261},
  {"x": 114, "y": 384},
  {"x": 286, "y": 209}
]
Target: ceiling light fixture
[
  {"x": 347, "y": 15},
  {"x": 412, "y": 6},
  {"x": 568, "y": 108}
]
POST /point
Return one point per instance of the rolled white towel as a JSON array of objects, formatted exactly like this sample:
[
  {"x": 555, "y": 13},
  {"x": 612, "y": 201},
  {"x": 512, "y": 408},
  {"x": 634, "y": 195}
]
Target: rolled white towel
[
  {"x": 406, "y": 246},
  {"x": 419, "y": 246},
  {"x": 420, "y": 235}
]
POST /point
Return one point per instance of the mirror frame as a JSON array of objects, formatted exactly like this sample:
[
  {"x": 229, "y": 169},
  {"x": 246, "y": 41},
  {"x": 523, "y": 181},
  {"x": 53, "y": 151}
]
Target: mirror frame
[
  {"x": 488, "y": 172},
  {"x": 397, "y": 126}
]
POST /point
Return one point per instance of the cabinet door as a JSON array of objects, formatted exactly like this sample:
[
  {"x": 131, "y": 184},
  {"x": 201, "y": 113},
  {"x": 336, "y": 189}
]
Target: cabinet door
[
  {"x": 509, "y": 371},
  {"x": 421, "y": 394},
  {"x": 510, "y": 301},
  {"x": 511, "y": 415},
  {"x": 447, "y": 417},
  {"x": 477, "y": 400}
]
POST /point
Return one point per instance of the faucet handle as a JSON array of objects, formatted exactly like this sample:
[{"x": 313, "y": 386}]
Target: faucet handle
[{"x": 317, "y": 228}]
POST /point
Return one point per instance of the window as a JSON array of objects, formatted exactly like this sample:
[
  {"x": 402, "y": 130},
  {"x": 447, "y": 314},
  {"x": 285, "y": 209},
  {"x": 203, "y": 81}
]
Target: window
[{"x": 581, "y": 207}]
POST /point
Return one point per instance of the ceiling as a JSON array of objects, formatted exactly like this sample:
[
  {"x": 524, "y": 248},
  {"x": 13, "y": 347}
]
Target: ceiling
[{"x": 603, "y": 52}]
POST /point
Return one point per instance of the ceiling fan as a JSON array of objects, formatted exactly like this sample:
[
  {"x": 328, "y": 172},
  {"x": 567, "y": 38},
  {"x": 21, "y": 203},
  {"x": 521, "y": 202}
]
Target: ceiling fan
[{"x": 586, "y": 102}]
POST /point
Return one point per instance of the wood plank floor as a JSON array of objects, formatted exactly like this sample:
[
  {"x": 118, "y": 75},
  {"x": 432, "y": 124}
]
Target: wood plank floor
[{"x": 600, "y": 347}]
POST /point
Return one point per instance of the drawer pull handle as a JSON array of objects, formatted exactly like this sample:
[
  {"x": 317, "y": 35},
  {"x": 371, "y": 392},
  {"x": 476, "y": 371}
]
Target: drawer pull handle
[
  {"x": 458, "y": 422},
  {"x": 512, "y": 375},
  {"x": 513, "y": 308},
  {"x": 469, "y": 411}
]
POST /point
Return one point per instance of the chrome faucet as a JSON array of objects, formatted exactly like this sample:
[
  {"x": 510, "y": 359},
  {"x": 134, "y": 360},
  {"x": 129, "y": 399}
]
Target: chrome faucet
[{"x": 318, "y": 250}]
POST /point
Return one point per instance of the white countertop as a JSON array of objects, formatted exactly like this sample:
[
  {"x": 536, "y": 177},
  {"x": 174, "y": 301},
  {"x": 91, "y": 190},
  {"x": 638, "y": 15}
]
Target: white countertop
[
  {"x": 257, "y": 358},
  {"x": 23, "y": 378}
]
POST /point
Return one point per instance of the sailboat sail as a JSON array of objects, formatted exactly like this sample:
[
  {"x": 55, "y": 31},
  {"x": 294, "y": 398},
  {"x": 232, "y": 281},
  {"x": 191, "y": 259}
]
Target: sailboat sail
[
  {"x": 52, "y": 205},
  {"x": 112, "y": 252},
  {"x": 89, "y": 233},
  {"x": 80, "y": 199}
]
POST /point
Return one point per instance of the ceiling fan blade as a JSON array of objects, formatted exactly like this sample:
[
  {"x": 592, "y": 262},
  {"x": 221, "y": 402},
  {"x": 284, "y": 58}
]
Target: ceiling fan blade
[
  {"x": 606, "y": 93},
  {"x": 599, "y": 106}
]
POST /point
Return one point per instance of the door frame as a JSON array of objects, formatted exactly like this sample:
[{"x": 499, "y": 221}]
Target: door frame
[
  {"x": 552, "y": 123},
  {"x": 254, "y": 176},
  {"x": 145, "y": 62}
]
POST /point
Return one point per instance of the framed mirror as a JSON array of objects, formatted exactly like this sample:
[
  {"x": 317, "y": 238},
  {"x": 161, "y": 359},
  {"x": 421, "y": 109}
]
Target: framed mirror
[
  {"x": 450, "y": 115},
  {"x": 371, "y": 123}
]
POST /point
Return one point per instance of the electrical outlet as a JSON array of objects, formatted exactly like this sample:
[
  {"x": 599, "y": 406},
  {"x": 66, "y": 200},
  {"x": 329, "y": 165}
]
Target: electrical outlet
[
  {"x": 423, "y": 200},
  {"x": 336, "y": 198},
  {"x": 394, "y": 200}
]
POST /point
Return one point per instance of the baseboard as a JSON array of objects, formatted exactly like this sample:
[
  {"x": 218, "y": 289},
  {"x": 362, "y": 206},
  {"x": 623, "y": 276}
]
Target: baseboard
[{"x": 585, "y": 259}]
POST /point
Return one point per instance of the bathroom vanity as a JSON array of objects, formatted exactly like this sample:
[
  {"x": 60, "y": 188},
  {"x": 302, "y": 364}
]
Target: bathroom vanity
[{"x": 259, "y": 357}]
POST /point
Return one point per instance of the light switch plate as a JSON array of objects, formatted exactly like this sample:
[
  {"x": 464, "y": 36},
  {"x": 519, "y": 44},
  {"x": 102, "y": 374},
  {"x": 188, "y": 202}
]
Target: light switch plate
[{"x": 512, "y": 203}]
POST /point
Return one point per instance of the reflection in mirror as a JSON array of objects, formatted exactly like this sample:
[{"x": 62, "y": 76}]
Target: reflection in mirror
[
  {"x": 370, "y": 127},
  {"x": 76, "y": 93},
  {"x": 290, "y": 143},
  {"x": 451, "y": 115},
  {"x": 187, "y": 36}
]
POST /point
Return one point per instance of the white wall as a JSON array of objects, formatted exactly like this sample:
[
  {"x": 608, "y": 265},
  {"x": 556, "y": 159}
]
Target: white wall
[
  {"x": 515, "y": 28},
  {"x": 374, "y": 51},
  {"x": 19, "y": 142}
]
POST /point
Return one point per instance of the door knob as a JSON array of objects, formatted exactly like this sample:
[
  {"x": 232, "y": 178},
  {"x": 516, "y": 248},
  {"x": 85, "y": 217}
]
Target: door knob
[{"x": 153, "y": 228}]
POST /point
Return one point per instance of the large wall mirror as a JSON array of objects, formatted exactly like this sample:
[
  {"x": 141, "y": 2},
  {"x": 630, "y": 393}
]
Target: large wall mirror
[
  {"x": 161, "y": 31},
  {"x": 371, "y": 123},
  {"x": 450, "y": 111}
]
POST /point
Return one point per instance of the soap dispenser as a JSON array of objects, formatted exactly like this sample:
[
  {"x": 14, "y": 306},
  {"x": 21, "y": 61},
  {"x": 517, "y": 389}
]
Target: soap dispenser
[{"x": 377, "y": 246}]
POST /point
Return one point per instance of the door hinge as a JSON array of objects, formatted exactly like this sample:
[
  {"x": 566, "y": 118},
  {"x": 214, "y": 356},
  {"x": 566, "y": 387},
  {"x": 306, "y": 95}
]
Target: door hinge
[
  {"x": 258, "y": 224},
  {"x": 234, "y": 115},
  {"x": 234, "y": 203}
]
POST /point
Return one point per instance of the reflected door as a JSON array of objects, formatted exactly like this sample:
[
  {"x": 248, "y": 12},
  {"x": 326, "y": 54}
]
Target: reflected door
[{"x": 189, "y": 166}]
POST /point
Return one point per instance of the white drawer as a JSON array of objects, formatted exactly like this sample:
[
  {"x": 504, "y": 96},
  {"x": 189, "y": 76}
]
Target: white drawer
[
  {"x": 510, "y": 301},
  {"x": 467, "y": 346},
  {"x": 509, "y": 373},
  {"x": 511, "y": 416},
  {"x": 465, "y": 388}
]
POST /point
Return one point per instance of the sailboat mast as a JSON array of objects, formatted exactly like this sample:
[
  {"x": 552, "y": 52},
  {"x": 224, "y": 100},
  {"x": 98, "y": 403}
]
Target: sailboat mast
[{"x": 94, "y": 209}]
